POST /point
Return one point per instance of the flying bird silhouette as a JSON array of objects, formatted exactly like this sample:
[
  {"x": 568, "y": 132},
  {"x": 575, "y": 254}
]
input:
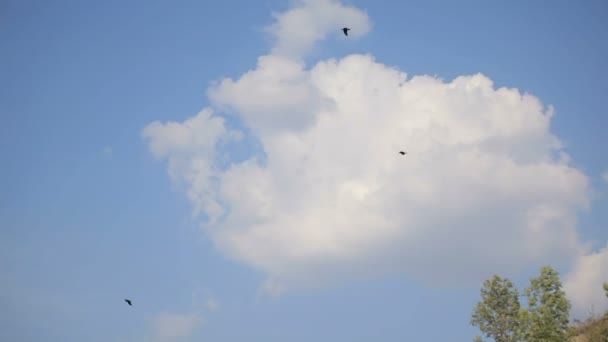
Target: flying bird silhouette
[
  {"x": 402, "y": 153},
  {"x": 345, "y": 30},
  {"x": 128, "y": 302}
]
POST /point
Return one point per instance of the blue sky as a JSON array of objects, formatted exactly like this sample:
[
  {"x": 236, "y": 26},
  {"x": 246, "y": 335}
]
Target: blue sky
[{"x": 89, "y": 217}]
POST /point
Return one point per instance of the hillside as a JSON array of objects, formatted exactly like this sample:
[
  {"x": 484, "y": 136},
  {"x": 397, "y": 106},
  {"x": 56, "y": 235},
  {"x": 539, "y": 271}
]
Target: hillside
[{"x": 591, "y": 330}]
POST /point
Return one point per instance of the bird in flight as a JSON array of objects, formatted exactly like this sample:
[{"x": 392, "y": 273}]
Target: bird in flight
[
  {"x": 345, "y": 30},
  {"x": 128, "y": 302},
  {"x": 402, "y": 153}
]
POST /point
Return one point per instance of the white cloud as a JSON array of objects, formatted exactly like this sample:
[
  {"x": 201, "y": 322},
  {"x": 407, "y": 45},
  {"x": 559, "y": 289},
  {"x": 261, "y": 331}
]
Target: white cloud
[
  {"x": 310, "y": 21},
  {"x": 484, "y": 188},
  {"x": 198, "y": 135},
  {"x": 583, "y": 284},
  {"x": 605, "y": 176},
  {"x": 278, "y": 95},
  {"x": 190, "y": 148},
  {"x": 176, "y": 327}
]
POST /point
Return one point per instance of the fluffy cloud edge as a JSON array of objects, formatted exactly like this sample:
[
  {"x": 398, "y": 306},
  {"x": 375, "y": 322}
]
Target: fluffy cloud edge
[
  {"x": 513, "y": 127},
  {"x": 583, "y": 283},
  {"x": 468, "y": 84},
  {"x": 309, "y": 22}
]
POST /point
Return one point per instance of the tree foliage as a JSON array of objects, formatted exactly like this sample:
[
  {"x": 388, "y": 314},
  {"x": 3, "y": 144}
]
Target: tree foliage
[
  {"x": 497, "y": 314},
  {"x": 606, "y": 293},
  {"x": 547, "y": 316}
]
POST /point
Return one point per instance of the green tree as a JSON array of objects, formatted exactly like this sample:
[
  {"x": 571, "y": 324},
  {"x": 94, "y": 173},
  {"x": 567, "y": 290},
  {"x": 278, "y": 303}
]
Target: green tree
[
  {"x": 497, "y": 314},
  {"x": 606, "y": 290},
  {"x": 547, "y": 317}
]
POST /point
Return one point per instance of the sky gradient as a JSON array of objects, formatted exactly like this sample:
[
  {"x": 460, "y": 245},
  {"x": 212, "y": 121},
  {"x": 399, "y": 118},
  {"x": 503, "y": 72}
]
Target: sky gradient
[{"x": 90, "y": 215}]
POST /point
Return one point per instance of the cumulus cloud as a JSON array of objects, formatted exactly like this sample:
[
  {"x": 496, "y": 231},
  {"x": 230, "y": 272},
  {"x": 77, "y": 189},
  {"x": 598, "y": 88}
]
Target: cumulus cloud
[
  {"x": 278, "y": 95},
  {"x": 190, "y": 147},
  {"x": 583, "y": 284},
  {"x": 485, "y": 186},
  {"x": 310, "y": 21},
  {"x": 176, "y": 327}
]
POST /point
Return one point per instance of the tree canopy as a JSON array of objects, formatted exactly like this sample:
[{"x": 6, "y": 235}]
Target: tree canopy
[
  {"x": 497, "y": 315},
  {"x": 546, "y": 319}
]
